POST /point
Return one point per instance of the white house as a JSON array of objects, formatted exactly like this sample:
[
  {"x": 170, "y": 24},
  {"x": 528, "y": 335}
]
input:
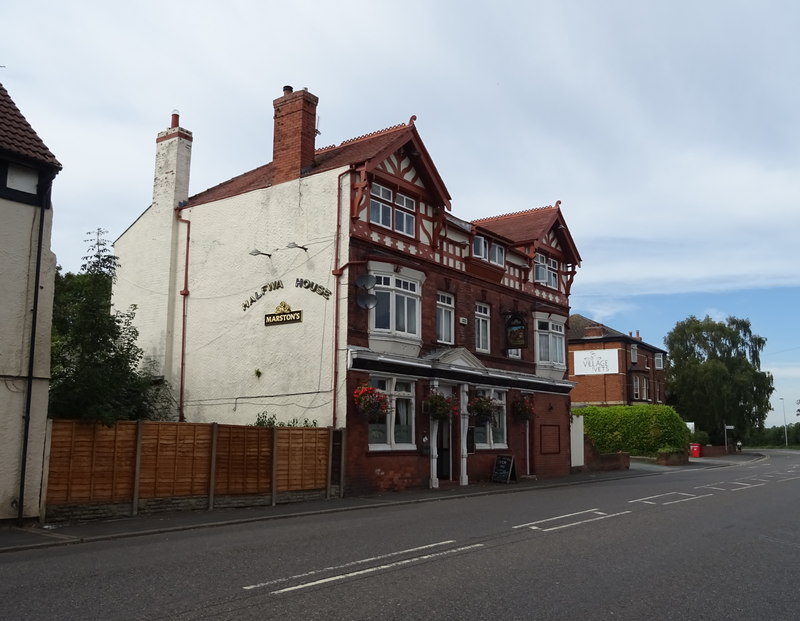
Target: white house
[{"x": 27, "y": 270}]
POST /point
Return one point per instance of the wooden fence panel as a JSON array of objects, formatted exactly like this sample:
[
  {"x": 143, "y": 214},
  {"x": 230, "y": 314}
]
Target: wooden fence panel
[
  {"x": 244, "y": 460},
  {"x": 175, "y": 459},
  {"x": 91, "y": 463},
  {"x": 302, "y": 458}
]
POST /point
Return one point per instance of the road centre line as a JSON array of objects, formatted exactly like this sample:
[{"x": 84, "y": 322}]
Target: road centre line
[
  {"x": 350, "y": 564},
  {"x": 648, "y": 498},
  {"x": 746, "y": 486},
  {"x": 672, "y": 502},
  {"x": 602, "y": 517},
  {"x": 369, "y": 570},
  {"x": 558, "y": 517}
]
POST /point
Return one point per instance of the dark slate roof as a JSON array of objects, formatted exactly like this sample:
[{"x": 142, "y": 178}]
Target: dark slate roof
[
  {"x": 353, "y": 151},
  {"x": 577, "y": 332},
  {"x": 18, "y": 138}
]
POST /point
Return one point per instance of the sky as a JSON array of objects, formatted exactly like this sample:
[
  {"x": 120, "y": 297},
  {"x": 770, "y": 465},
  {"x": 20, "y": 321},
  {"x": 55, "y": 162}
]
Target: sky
[{"x": 668, "y": 130}]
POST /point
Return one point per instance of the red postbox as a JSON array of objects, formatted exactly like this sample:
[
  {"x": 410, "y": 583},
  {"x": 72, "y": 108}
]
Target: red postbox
[{"x": 694, "y": 450}]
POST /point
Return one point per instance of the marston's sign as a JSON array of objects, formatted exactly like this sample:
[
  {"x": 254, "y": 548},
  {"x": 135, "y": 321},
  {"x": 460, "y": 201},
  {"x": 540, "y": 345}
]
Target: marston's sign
[{"x": 283, "y": 314}]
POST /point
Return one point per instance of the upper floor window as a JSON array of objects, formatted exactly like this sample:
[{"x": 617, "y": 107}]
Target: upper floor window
[
  {"x": 634, "y": 354},
  {"x": 394, "y": 430},
  {"x": 392, "y": 212},
  {"x": 659, "y": 361},
  {"x": 493, "y": 252},
  {"x": 22, "y": 178},
  {"x": 550, "y": 336},
  {"x": 545, "y": 271},
  {"x": 482, "y": 327},
  {"x": 444, "y": 317},
  {"x": 397, "y": 308}
]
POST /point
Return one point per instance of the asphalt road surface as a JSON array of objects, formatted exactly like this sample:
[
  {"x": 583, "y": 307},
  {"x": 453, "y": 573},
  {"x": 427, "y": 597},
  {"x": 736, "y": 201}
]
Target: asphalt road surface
[{"x": 692, "y": 543}]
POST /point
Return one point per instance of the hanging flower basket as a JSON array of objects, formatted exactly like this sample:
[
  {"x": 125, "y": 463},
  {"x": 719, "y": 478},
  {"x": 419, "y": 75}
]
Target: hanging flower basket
[
  {"x": 370, "y": 401},
  {"x": 440, "y": 407},
  {"x": 483, "y": 409},
  {"x": 522, "y": 408}
]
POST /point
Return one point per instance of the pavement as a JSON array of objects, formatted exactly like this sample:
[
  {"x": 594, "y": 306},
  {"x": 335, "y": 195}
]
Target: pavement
[{"x": 36, "y": 535}]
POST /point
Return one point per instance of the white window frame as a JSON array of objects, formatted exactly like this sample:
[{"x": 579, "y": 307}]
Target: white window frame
[
  {"x": 659, "y": 361},
  {"x": 483, "y": 334},
  {"x": 445, "y": 318},
  {"x": 636, "y": 387},
  {"x": 480, "y": 248},
  {"x": 394, "y": 211},
  {"x": 400, "y": 391},
  {"x": 545, "y": 271},
  {"x": 380, "y": 212},
  {"x": 405, "y": 222},
  {"x": 497, "y": 254},
  {"x": 395, "y": 291},
  {"x": 489, "y": 436},
  {"x": 550, "y": 343},
  {"x": 514, "y": 353},
  {"x": 634, "y": 354}
]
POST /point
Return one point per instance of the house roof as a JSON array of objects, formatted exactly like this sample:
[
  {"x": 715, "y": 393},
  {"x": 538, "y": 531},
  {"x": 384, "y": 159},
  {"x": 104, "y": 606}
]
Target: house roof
[
  {"x": 17, "y": 137},
  {"x": 578, "y": 324},
  {"x": 531, "y": 227},
  {"x": 369, "y": 150}
]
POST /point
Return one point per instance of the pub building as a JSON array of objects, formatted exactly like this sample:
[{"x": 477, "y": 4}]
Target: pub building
[{"x": 335, "y": 284}]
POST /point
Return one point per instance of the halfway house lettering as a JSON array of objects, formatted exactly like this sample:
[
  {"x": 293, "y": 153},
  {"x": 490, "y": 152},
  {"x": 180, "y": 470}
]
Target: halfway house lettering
[{"x": 283, "y": 314}]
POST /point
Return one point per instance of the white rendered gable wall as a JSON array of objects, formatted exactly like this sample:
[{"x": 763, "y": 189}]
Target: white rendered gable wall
[{"x": 235, "y": 365}]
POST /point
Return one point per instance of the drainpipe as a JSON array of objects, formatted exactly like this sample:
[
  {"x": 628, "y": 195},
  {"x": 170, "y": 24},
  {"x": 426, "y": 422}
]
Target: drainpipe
[
  {"x": 31, "y": 356},
  {"x": 185, "y": 295}
]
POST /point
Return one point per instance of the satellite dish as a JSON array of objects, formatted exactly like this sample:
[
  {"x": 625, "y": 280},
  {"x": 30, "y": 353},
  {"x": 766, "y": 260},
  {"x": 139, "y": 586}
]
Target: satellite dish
[
  {"x": 365, "y": 281},
  {"x": 367, "y": 300}
]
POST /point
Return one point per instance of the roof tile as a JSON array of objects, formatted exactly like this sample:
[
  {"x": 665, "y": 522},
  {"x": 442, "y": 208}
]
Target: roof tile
[{"x": 18, "y": 137}]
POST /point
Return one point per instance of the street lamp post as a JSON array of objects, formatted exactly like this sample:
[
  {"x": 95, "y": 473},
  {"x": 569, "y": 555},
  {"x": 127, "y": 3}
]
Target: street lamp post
[{"x": 785, "y": 432}]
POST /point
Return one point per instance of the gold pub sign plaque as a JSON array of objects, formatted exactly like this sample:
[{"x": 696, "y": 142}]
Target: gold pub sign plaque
[{"x": 283, "y": 314}]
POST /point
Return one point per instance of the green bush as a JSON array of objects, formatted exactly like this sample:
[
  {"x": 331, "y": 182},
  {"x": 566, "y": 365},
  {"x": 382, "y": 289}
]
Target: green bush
[
  {"x": 635, "y": 429},
  {"x": 700, "y": 437}
]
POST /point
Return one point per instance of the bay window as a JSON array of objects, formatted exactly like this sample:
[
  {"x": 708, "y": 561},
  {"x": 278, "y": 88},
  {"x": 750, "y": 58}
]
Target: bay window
[
  {"x": 397, "y": 308},
  {"x": 550, "y": 337}
]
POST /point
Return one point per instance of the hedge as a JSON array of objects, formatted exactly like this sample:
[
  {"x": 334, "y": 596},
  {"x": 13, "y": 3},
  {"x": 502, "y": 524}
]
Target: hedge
[{"x": 634, "y": 429}]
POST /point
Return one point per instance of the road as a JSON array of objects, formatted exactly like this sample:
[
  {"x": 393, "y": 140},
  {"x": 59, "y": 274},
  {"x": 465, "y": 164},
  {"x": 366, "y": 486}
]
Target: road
[{"x": 716, "y": 543}]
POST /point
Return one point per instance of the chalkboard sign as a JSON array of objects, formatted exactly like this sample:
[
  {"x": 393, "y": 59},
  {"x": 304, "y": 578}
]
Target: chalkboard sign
[{"x": 503, "y": 469}]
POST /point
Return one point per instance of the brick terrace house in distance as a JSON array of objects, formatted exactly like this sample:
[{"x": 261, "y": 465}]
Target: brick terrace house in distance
[
  {"x": 27, "y": 170},
  {"x": 285, "y": 289},
  {"x": 612, "y": 368}
]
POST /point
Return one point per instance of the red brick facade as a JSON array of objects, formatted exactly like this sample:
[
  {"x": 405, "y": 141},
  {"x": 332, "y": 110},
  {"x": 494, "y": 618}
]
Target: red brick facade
[{"x": 637, "y": 377}]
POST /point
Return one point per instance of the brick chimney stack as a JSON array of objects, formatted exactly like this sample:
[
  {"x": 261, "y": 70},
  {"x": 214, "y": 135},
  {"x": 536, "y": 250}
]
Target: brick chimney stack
[
  {"x": 593, "y": 331},
  {"x": 294, "y": 135},
  {"x": 173, "y": 164}
]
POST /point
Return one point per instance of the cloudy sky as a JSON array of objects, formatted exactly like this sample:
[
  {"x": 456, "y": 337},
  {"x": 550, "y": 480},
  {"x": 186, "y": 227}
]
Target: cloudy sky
[{"x": 669, "y": 130}]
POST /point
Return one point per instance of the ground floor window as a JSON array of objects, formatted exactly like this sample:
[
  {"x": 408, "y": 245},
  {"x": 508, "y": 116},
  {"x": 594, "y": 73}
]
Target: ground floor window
[
  {"x": 492, "y": 434},
  {"x": 395, "y": 430}
]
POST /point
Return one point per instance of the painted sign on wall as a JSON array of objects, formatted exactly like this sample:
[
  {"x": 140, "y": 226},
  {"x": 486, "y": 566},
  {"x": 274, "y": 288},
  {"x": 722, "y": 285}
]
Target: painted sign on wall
[{"x": 596, "y": 362}]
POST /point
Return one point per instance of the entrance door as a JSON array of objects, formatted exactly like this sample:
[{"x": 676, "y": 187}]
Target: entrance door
[{"x": 444, "y": 461}]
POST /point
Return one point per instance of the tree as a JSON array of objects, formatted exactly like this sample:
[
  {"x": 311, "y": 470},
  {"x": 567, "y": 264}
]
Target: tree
[
  {"x": 714, "y": 374},
  {"x": 95, "y": 363}
]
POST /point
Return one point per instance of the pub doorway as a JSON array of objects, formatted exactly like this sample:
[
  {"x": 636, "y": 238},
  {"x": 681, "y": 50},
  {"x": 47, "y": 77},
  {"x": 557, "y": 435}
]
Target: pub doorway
[{"x": 444, "y": 443}]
